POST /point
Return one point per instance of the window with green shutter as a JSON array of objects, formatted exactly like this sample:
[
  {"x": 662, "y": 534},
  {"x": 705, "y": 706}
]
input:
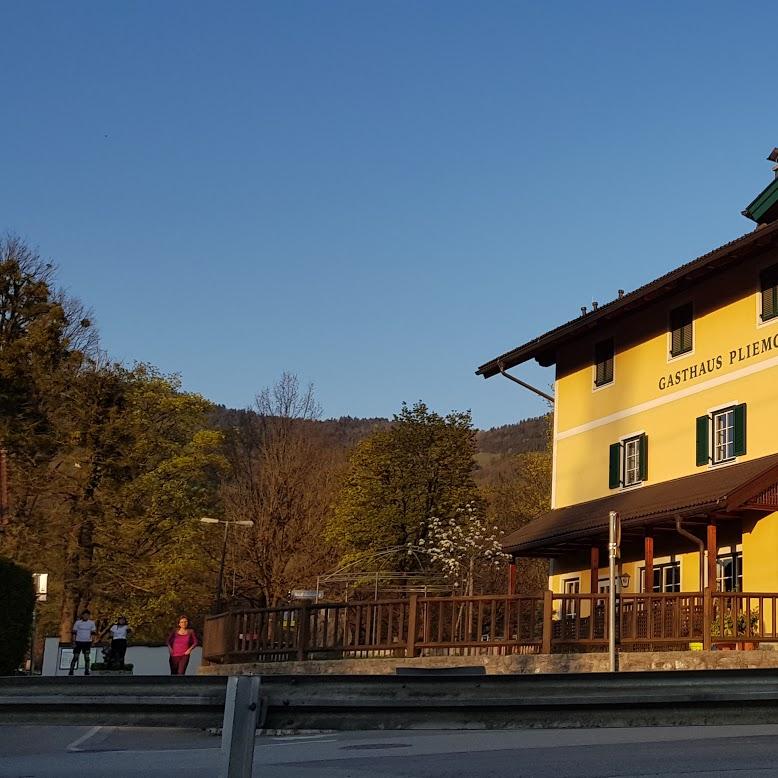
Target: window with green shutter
[
  {"x": 628, "y": 462},
  {"x": 681, "y": 330},
  {"x": 703, "y": 440},
  {"x": 614, "y": 466},
  {"x": 603, "y": 362},
  {"x": 721, "y": 436},
  {"x": 768, "y": 283}
]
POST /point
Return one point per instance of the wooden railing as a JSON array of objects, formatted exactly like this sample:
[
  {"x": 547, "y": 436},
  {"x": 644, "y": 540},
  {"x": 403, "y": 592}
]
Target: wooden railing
[
  {"x": 490, "y": 624},
  {"x": 743, "y": 617},
  {"x": 655, "y": 620},
  {"x": 579, "y": 621}
]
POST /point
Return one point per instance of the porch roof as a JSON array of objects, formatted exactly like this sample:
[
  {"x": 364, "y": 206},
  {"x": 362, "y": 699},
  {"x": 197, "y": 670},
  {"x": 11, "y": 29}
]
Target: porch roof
[{"x": 723, "y": 491}]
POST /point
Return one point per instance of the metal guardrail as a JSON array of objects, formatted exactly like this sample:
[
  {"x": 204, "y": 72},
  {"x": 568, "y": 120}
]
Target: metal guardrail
[{"x": 404, "y": 701}]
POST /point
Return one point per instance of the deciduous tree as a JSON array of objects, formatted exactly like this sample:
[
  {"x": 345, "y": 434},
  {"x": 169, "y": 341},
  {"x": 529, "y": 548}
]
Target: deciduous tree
[
  {"x": 402, "y": 475},
  {"x": 282, "y": 477}
]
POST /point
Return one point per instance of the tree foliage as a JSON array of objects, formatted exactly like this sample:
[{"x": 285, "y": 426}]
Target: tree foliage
[
  {"x": 464, "y": 547},
  {"x": 515, "y": 494},
  {"x": 109, "y": 466},
  {"x": 418, "y": 467},
  {"x": 282, "y": 477},
  {"x": 18, "y": 598}
]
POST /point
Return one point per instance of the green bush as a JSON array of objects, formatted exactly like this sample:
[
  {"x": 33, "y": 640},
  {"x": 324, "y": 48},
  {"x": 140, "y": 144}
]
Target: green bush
[{"x": 17, "y": 596}]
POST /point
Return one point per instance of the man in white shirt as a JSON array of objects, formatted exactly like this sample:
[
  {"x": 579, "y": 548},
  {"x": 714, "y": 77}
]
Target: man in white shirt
[{"x": 83, "y": 631}]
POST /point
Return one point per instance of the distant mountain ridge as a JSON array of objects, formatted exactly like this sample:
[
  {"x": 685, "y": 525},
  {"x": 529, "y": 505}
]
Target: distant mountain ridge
[{"x": 347, "y": 431}]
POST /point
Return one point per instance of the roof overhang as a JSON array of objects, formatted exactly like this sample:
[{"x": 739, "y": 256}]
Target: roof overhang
[
  {"x": 726, "y": 492},
  {"x": 544, "y": 348},
  {"x": 764, "y": 208}
]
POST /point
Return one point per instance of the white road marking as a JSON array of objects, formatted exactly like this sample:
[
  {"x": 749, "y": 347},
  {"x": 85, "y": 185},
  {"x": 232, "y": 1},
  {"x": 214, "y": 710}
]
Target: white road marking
[
  {"x": 75, "y": 745},
  {"x": 308, "y": 743},
  {"x": 303, "y": 737}
]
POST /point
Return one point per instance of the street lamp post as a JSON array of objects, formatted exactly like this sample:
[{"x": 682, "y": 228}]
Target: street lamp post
[
  {"x": 208, "y": 520},
  {"x": 614, "y": 552}
]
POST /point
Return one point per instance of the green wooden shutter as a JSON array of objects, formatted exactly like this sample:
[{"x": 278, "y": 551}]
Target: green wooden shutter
[
  {"x": 703, "y": 440},
  {"x": 675, "y": 342},
  {"x": 614, "y": 466},
  {"x": 681, "y": 330},
  {"x": 769, "y": 286},
  {"x": 643, "y": 463},
  {"x": 603, "y": 358},
  {"x": 740, "y": 430}
]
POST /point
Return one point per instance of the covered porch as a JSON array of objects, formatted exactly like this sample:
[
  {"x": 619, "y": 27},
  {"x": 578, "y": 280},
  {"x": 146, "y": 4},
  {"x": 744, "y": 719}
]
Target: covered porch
[{"x": 697, "y": 559}]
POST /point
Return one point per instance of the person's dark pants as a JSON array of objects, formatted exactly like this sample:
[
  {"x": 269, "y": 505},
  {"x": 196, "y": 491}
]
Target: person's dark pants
[
  {"x": 85, "y": 648},
  {"x": 178, "y": 664},
  {"x": 118, "y": 650}
]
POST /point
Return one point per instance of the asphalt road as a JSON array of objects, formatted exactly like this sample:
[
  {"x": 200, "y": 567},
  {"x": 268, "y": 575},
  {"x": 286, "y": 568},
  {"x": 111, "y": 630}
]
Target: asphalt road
[{"x": 38, "y": 752}]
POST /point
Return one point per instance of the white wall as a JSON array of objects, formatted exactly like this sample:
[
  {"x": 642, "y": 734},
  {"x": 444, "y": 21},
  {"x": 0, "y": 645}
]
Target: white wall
[{"x": 148, "y": 660}]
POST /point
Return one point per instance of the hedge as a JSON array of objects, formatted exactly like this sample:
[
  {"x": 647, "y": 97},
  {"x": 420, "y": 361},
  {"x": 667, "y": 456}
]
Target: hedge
[{"x": 17, "y": 601}]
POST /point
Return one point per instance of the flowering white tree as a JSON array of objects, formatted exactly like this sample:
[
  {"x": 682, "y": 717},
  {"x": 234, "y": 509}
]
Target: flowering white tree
[{"x": 461, "y": 545}]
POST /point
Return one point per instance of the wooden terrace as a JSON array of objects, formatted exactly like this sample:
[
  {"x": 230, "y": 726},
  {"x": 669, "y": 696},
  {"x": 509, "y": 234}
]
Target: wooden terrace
[{"x": 492, "y": 624}]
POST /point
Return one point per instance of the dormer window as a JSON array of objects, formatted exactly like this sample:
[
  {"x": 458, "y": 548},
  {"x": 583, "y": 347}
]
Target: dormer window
[
  {"x": 603, "y": 362},
  {"x": 681, "y": 330}
]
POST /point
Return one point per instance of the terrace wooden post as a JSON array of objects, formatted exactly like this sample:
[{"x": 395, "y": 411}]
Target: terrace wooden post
[
  {"x": 713, "y": 552},
  {"x": 512, "y": 577},
  {"x": 707, "y": 617},
  {"x": 413, "y": 607},
  {"x": 548, "y": 616},
  {"x": 594, "y": 571},
  {"x": 648, "y": 542},
  {"x": 302, "y": 632}
]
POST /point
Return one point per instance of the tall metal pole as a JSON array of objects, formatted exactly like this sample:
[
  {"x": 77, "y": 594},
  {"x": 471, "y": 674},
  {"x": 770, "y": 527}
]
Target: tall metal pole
[
  {"x": 613, "y": 552},
  {"x": 218, "y": 605},
  {"x": 4, "y": 511},
  {"x": 33, "y": 631}
]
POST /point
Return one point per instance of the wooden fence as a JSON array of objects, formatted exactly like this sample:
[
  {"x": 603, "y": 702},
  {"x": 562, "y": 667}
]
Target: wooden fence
[{"x": 490, "y": 624}]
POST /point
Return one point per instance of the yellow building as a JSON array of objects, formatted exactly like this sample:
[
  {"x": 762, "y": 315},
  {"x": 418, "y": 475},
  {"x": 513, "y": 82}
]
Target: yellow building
[{"x": 666, "y": 410}]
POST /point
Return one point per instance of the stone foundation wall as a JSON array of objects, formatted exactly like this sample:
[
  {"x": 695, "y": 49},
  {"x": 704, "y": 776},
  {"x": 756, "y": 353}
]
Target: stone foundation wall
[{"x": 512, "y": 664}]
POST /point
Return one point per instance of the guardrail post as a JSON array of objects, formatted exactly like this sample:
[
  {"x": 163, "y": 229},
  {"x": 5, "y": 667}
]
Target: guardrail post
[
  {"x": 239, "y": 729},
  {"x": 413, "y": 604},
  {"x": 707, "y": 618},
  {"x": 548, "y": 617},
  {"x": 302, "y": 633}
]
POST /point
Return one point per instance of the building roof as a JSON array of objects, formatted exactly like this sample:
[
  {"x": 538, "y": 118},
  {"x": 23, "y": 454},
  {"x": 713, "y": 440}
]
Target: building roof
[
  {"x": 743, "y": 486},
  {"x": 543, "y": 348},
  {"x": 764, "y": 207}
]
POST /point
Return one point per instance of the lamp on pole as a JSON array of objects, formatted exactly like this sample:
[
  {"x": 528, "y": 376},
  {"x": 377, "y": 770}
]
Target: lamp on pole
[
  {"x": 208, "y": 520},
  {"x": 614, "y": 553}
]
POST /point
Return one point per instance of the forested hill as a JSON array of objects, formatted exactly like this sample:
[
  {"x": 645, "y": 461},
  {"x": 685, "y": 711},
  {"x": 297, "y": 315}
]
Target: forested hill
[{"x": 525, "y": 435}]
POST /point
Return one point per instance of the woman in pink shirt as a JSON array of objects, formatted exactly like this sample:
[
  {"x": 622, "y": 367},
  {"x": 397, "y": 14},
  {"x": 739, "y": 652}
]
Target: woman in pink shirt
[{"x": 181, "y": 642}]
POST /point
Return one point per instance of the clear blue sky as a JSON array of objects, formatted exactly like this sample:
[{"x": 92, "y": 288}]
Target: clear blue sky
[{"x": 378, "y": 196}]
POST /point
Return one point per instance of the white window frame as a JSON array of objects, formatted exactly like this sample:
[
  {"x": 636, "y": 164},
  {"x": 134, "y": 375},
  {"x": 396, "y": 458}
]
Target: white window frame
[
  {"x": 571, "y": 606},
  {"x": 663, "y": 564},
  {"x": 630, "y": 465},
  {"x": 711, "y": 412},
  {"x": 736, "y": 555},
  {"x": 728, "y": 444},
  {"x": 623, "y": 440}
]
